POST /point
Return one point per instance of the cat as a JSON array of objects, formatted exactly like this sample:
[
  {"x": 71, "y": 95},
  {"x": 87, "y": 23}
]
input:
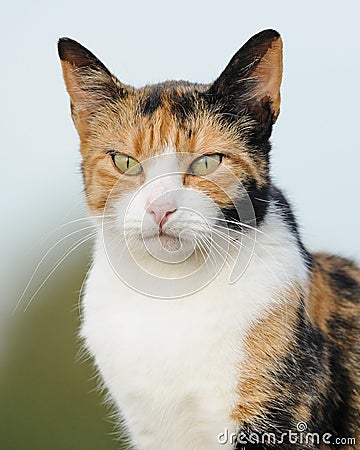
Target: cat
[{"x": 210, "y": 323}]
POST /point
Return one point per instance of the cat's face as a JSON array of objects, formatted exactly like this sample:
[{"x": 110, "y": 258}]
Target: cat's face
[{"x": 165, "y": 163}]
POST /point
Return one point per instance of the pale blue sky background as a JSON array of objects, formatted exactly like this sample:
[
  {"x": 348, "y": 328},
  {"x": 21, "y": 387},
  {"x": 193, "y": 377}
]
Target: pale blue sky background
[{"x": 315, "y": 142}]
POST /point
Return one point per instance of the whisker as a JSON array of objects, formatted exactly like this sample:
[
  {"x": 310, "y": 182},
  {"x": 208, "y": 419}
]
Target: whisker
[
  {"x": 239, "y": 223},
  {"x": 256, "y": 230},
  {"x": 78, "y": 304},
  {"x": 253, "y": 253},
  {"x": 205, "y": 257},
  {"x": 217, "y": 247},
  {"x": 86, "y": 218},
  {"x": 67, "y": 253},
  {"x": 43, "y": 258},
  {"x": 211, "y": 257}
]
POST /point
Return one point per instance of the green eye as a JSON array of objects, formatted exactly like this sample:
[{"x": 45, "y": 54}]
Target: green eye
[
  {"x": 126, "y": 164},
  {"x": 205, "y": 164}
]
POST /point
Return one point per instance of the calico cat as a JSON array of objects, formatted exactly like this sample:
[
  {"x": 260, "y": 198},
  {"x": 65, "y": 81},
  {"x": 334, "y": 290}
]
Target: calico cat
[{"x": 210, "y": 323}]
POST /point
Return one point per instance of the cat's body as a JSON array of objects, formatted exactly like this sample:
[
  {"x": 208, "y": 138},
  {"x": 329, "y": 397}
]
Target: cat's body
[{"x": 267, "y": 340}]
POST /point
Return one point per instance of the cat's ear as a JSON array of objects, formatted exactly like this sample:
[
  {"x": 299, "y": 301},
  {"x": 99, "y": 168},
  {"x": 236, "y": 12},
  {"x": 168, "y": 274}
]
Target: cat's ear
[
  {"x": 251, "y": 81},
  {"x": 89, "y": 83}
]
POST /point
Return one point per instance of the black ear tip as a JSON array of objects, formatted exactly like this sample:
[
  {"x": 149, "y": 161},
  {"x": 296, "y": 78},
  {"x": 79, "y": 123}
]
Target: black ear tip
[
  {"x": 267, "y": 35},
  {"x": 272, "y": 33},
  {"x": 70, "y": 50},
  {"x": 67, "y": 46},
  {"x": 60, "y": 45},
  {"x": 260, "y": 42},
  {"x": 79, "y": 56},
  {"x": 73, "y": 52}
]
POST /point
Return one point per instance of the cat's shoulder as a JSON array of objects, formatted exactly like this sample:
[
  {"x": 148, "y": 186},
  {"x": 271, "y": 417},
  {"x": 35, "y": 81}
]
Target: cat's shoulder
[
  {"x": 341, "y": 274},
  {"x": 334, "y": 300}
]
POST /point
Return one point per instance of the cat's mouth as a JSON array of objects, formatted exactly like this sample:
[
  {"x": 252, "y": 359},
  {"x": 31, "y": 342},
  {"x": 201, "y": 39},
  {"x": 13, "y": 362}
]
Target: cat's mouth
[{"x": 168, "y": 241}]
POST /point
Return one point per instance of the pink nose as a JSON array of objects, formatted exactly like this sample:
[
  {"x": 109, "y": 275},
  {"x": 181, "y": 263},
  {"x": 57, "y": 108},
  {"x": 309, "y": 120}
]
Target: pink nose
[{"x": 161, "y": 212}]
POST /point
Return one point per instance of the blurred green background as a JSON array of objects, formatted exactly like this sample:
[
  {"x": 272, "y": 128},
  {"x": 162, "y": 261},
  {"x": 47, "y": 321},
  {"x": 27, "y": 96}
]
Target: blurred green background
[{"x": 48, "y": 392}]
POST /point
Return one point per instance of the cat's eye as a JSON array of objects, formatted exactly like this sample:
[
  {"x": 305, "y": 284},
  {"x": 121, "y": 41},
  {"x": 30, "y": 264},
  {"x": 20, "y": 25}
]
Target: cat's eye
[
  {"x": 127, "y": 164},
  {"x": 205, "y": 164}
]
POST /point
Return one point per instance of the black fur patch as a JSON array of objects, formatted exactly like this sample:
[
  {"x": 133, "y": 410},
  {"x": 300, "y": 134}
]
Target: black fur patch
[
  {"x": 338, "y": 414},
  {"x": 152, "y": 102},
  {"x": 344, "y": 285},
  {"x": 183, "y": 105},
  {"x": 333, "y": 406},
  {"x": 303, "y": 368},
  {"x": 286, "y": 212},
  {"x": 249, "y": 214}
]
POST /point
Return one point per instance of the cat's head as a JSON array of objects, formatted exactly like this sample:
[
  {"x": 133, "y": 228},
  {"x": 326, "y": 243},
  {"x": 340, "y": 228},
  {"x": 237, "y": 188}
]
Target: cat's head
[{"x": 170, "y": 160}]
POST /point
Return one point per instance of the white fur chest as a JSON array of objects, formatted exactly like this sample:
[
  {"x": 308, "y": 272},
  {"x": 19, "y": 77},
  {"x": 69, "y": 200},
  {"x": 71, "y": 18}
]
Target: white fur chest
[
  {"x": 172, "y": 366},
  {"x": 169, "y": 365}
]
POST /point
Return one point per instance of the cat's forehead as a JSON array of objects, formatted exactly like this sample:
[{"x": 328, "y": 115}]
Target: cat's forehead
[{"x": 173, "y": 114}]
